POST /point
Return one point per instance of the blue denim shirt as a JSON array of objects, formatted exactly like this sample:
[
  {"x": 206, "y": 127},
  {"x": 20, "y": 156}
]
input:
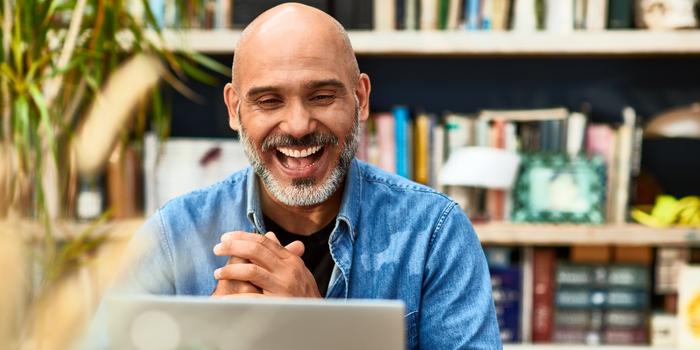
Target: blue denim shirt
[{"x": 393, "y": 239}]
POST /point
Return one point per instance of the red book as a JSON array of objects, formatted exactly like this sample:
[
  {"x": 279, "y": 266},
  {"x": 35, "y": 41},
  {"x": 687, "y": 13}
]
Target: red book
[{"x": 543, "y": 262}]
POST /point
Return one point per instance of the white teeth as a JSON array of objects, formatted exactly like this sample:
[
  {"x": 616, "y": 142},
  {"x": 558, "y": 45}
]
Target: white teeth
[{"x": 297, "y": 153}]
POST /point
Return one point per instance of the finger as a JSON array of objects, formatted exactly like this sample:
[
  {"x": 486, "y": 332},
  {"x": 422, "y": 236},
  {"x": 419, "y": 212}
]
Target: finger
[
  {"x": 225, "y": 287},
  {"x": 273, "y": 246},
  {"x": 271, "y": 235},
  {"x": 228, "y": 235},
  {"x": 251, "y": 251},
  {"x": 297, "y": 248},
  {"x": 252, "y": 273}
]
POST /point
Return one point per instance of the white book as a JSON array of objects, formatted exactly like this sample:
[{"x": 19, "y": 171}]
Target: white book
[
  {"x": 559, "y": 16},
  {"x": 410, "y": 13},
  {"x": 429, "y": 14},
  {"x": 575, "y": 132},
  {"x": 596, "y": 14},
  {"x": 524, "y": 16},
  {"x": 384, "y": 15}
]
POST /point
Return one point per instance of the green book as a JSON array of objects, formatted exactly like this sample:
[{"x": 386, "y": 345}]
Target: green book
[
  {"x": 442, "y": 13},
  {"x": 620, "y": 14}
]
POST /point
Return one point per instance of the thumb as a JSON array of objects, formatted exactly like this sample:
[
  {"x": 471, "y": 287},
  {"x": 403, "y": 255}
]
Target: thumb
[{"x": 296, "y": 248}]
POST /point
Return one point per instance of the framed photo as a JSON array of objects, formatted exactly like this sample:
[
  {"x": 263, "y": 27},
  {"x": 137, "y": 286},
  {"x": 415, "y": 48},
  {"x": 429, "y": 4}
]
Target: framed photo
[{"x": 558, "y": 188}]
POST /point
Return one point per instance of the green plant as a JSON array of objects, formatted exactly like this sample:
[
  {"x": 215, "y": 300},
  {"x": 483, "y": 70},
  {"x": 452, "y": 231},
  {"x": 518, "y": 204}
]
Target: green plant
[{"x": 57, "y": 58}]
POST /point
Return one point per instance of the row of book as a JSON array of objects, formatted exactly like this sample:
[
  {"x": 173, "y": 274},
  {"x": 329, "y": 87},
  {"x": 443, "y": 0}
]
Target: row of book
[
  {"x": 384, "y": 15},
  {"x": 227, "y": 14},
  {"x": 420, "y": 145},
  {"x": 588, "y": 296},
  {"x": 516, "y": 15}
]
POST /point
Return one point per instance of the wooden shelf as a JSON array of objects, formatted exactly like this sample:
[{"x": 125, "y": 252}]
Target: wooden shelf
[
  {"x": 462, "y": 43},
  {"x": 567, "y": 234}
]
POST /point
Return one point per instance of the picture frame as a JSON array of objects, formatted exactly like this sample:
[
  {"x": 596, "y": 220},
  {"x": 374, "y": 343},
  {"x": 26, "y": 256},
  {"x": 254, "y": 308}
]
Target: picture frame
[{"x": 561, "y": 189}]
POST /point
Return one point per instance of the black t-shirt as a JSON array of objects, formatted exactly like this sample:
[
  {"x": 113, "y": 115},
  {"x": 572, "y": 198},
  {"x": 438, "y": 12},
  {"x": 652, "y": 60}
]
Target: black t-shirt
[{"x": 317, "y": 255}]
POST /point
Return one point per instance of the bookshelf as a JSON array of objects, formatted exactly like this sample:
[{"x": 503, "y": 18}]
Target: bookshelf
[{"x": 461, "y": 43}]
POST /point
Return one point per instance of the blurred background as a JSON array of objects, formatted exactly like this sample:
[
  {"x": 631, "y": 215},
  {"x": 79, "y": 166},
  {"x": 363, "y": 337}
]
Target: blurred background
[{"x": 568, "y": 130}]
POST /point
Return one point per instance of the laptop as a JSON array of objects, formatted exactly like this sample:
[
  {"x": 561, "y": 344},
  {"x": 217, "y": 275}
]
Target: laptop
[{"x": 159, "y": 322}]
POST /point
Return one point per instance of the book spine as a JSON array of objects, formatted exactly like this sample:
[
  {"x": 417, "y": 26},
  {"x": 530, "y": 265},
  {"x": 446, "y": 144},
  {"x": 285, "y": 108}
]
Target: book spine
[
  {"x": 386, "y": 141},
  {"x": 543, "y": 263},
  {"x": 401, "y": 119},
  {"x": 620, "y": 14},
  {"x": 472, "y": 14},
  {"x": 596, "y": 14}
]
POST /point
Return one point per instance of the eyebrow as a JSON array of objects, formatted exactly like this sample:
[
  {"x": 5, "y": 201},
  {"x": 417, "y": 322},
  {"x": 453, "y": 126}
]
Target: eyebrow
[{"x": 314, "y": 84}]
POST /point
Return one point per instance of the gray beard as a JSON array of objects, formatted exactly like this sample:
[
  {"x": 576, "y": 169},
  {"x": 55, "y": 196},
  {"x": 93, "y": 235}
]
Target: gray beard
[{"x": 304, "y": 192}]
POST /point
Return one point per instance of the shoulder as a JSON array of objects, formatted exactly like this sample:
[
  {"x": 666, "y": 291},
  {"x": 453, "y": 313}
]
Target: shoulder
[{"x": 376, "y": 180}]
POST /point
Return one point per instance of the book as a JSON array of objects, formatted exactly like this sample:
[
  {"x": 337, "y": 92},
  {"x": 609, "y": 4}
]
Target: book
[
  {"x": 403, "y": 145},
  {"x": 524, "y": 16},
  {"x": 400, "y": 14},
  {"x": 507, "y": 295},
  {"x": 543, "y": 265},
  {"x": 384, "y": 15},
  {"x": 386, "y": 140},
  {"x": 596, "y": 14},
  {"x": 453, "y": 14},
  {"x": 429, "y": 14},
  {"x": 500, "y": 14},
  {"x": 626, "y": 336},
  {"x": 421, "y": 166},
  {"x": 625, "y": 143},
  {"x": 559, "y": 16},
  {"x": 472, "y": 14},
  {"x": 579, "y": 14},
  {"x": 443, "y": 13},
  {"x": 354, "y": 14},
  {"x": 437, "y": 152},
  {"x": 412, "y": 13},
  {"x": 224, "y": 15},
  {"x": 620, "y": 14}
]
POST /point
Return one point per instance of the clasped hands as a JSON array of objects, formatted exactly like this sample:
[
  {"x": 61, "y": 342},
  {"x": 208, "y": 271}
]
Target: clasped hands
[{"x": 259, "y": 265}]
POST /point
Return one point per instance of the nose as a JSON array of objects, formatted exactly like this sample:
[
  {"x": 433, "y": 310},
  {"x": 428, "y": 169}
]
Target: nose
[{"x": 299, "y": 120}]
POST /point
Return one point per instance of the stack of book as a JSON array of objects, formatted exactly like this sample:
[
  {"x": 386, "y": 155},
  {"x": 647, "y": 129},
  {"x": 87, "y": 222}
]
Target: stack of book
[{"x": 506, "y": 285}]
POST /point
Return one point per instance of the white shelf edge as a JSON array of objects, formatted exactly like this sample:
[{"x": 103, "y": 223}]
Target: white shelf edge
[
  {"x": 611, "y": 42},
  {"x": 580, "y": 347},
  {"x": 570, "y": 234}
]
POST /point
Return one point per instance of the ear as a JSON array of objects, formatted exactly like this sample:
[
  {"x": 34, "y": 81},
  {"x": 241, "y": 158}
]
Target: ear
[
  {"x": 231, "y": 100},
  {"x": 362, "y": 91}
]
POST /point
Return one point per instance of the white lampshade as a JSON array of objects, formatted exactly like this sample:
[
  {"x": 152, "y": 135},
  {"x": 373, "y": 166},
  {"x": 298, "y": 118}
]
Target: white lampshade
[{"x": 480, "y": 167}]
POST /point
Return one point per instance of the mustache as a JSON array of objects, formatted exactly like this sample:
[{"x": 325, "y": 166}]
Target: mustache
[{"x": 286, "y": 140}]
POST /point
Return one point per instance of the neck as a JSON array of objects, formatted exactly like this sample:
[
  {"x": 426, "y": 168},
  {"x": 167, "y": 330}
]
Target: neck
[{"x": 300, "y": 220}]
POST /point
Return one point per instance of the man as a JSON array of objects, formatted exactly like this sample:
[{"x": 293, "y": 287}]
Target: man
[{"x": 307, "y": 219}]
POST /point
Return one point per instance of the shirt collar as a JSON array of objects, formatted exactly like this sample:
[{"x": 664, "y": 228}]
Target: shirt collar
[{"x": 349, "y": 205}]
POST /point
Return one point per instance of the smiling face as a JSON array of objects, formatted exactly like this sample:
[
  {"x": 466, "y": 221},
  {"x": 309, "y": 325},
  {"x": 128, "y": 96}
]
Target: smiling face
[{"x": 297, "y": 104}]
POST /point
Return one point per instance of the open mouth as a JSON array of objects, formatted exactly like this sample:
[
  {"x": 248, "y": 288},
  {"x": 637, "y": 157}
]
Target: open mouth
[{"x": 299, "y": 158}]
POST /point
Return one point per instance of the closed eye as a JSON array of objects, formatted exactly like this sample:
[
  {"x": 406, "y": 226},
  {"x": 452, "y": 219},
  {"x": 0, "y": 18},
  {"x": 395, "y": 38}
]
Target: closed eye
[
  {"x": 323, "y": 99},
  {"x": 268, "y": 103}
]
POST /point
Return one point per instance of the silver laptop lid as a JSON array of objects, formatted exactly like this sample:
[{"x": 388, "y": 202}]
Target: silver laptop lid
[{"x": 158, "y": 322}]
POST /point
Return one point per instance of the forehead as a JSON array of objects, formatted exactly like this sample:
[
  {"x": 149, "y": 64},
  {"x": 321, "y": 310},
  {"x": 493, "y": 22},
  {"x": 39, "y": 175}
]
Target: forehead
[{"x": 290, "y": 57}]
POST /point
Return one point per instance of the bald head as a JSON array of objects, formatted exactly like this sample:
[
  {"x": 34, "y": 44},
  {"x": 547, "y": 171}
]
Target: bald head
[{"x": 291, "y": 31}]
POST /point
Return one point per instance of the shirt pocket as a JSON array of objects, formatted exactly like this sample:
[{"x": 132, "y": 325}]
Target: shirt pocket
[{"x": 411, "y": 320}]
